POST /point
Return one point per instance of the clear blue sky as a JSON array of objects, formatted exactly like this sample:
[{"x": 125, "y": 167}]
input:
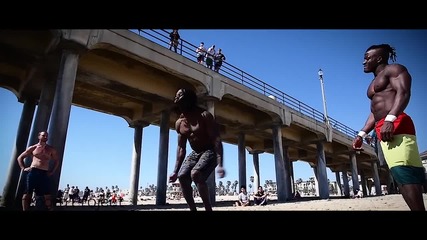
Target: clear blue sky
[{"x": 98, "y": 150}]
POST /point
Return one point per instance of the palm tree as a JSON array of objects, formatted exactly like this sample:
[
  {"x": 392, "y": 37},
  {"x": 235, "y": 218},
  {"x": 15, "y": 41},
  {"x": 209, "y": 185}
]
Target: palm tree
[
  {"x": 227, "y": 188},
  {"x": 251, "y": 178},
  {"x": 152, "y": 190},
  {"x": 233, "y": 187},
  {"x": 146, "y": 191},
  {"x": 298, "y": 183},
  {"x": 312, "y": 189},
  {"x": 220, "y": 188},
  {"x": 332, "y": 189},
  {"x": 235, "y": 184}
]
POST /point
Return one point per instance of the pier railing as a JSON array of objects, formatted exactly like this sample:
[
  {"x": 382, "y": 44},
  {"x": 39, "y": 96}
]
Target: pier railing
[{"x": 187, "y": 50}]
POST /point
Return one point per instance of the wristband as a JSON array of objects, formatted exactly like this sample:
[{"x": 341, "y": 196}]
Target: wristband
[
  {"x": 390, "y": 118},
  {"x": 362, "y": 134}
]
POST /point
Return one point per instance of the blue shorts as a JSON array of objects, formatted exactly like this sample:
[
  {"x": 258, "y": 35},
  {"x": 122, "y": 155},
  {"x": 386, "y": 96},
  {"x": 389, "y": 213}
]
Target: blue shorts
[
  {"x": 38, "y": 181},
  {"x": 408, "y": 174},
  {"x": 204, "y": 162}
]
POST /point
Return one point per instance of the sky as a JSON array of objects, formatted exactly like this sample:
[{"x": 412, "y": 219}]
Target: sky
[{"x": 98, "y": 150}]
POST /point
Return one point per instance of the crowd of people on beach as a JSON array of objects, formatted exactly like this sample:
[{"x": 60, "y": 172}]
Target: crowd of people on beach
[{"x": 74, "y": 195}]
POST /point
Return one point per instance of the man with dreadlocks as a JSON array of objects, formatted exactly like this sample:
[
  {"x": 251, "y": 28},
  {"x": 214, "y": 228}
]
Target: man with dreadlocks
[
  {"x": 199, "y": 127},
  {"x": 390, "y": 91}
]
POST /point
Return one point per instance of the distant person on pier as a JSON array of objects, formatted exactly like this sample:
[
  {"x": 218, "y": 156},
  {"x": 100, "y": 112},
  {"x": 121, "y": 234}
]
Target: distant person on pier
[
  {"x": 219, "y": 58},
  {"x": 174, "y": 40},
  {"x": 210, "y": 54},
  {"x": 201, "y": 52}
]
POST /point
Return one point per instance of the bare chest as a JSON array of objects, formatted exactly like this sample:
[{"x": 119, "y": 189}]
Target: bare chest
[
  {"x": 42, "y": 152},
  {"x": 190, "y": 127},
  {"x": 379, "y": 84}
]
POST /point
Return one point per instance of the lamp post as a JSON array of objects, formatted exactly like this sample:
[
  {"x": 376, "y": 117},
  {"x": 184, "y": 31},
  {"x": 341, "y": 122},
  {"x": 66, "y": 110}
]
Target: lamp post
[{"x": 325, "y": 112}]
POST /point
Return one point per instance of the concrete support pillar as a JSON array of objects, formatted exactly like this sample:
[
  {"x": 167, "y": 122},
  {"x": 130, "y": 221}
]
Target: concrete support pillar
[
  {"x": 346, "y": 185},
  {"x": 282, "y": 195},
  {"x": 376, "y": 177},
  {"x": 287, "y": 173},
  {"x": 291, "y": 173},
  {"x": 136, "y": 160},
  {"x": 211, "y": 181},
  {"x": 363, "y": 181},
  {"x": 162, "y": 171},
  {"x": 242, "y": 160},
  {"x": 12, "y": 193},
  {"x": 322, "y": 176},
  {"x": 256, "y": 169},
  {"x": 44, "y": 109},
  {"x": 354, "y": 173},
  {"x": 338, "y": 179},
  {"x": 62, "y": 102}
]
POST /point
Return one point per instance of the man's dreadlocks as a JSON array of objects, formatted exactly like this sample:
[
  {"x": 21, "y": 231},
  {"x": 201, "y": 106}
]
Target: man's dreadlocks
[{"x": 387, "y": 51}]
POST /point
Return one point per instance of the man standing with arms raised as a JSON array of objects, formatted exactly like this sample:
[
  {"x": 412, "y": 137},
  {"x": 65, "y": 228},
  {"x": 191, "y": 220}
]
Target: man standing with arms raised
[{"x": 390, "y": 91}]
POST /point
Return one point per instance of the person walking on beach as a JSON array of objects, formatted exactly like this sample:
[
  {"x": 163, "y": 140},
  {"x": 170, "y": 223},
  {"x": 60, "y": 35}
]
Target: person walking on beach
[
  {"x": 390, "y": 92},
  {"x": 199, "y": 127},
  {"x": 38, "y": 172}
]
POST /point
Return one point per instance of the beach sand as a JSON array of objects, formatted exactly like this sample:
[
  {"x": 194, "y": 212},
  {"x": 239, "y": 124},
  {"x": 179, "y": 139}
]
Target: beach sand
[{"x": 393, "y": 202}]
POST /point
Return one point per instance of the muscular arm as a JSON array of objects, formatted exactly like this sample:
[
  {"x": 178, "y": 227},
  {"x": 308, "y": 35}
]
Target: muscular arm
[
  {"x": 400, "y": 81},
  {"x": 23, "y": 155},
  {"x": 181, "y": 149},
  {"x": 369, "y": 124},
  {"x": 213, "y": 131}
]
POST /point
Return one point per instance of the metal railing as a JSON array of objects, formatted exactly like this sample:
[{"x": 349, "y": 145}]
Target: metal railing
[{"x": 188, "y": 50}]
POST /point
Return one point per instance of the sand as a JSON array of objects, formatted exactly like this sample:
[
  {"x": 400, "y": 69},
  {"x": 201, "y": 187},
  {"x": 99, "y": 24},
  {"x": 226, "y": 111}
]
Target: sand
[{"x": 393, "y": 202}]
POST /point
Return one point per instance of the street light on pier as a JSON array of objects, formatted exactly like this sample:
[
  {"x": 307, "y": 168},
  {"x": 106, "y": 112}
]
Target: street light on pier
[{"x": 325, "y": 111}]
